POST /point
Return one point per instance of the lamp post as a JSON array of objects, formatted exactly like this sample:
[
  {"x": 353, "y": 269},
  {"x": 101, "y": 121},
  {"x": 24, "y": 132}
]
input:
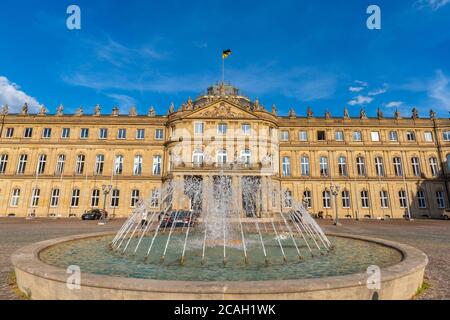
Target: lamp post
[
  {"x": 335, "y": 192},
  {"x": 106, "y": 190}
]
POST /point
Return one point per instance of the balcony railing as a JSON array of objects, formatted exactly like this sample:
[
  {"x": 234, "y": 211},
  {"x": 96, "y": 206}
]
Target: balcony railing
[{"x": 221, "y": 166}]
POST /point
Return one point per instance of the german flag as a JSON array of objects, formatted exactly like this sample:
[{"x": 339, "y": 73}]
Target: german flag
[{"x": 226, "y": 53}]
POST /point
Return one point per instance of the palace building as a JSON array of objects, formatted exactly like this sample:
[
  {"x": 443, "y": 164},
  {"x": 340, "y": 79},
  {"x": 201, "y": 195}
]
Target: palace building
[{"x": 384, "y": 167}]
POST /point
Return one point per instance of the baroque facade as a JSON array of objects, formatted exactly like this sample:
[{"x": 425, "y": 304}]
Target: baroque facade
[{"x": 60, "y": 165}]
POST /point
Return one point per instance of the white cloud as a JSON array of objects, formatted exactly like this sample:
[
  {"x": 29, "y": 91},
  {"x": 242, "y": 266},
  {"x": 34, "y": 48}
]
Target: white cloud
[
  {"x": 362, "y": 83},
  {"x": 124, "y": 102},
  {"x": 394, "y": 104},
  {"x": 15, "y": 98},
  {"x": 360, "y": 100},
  {"x": 439, "y": 89},
  {"x": 355, "y": 89},
  {"x": 433, "y": 4},
  {"x": 378, "y": 91}
]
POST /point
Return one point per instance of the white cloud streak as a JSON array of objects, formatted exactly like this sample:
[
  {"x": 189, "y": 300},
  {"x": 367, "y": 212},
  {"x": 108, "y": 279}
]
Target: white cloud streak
[
  {"x": 433, "y": 4},
  {"x": 394, "y": 104},
  {"x": 14, "y": 97},
  {"x": 360, "y": 100}
]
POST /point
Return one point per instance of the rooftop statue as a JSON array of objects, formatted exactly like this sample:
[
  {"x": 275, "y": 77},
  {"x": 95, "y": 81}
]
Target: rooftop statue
[
  {"x": 97, "y": 110},
  {"x": 151, "y": 112},
  {"x": 292, "y": 113},
  {"x": 24, "y": 111},
  {"x": 171, "y": 108},
  {"x": 397, "y": 115},
  {"x": 5, "y": 110},
  {"x": 79, "y": 112},
  {"x": 432, "y": 114},
  {"x": 274, "y": 109},
  {"x": 309, "y": 113},
  {"x": 327, "y": 115},
  {"x": 379, "y": 114},
  {"x": 133, "y": 112},
  {"x": 43, "y": 111},
  {"x": 415, "y": 114},
  {"x": 346, "y": 114},
  {"x": 59, "y": 110},
  {"x": 115, "y": 111},
  {"x": 362, "y": 114}
]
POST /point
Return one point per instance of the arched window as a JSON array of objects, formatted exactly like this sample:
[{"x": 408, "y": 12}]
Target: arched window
[
  {"x": 286, "y": 167},
  {"x": 304, "y": 164},
  {"x": 434, "y": 167},
  {"x": 361, "y": 166},
  {"x": 95, "y": 199},
  {"x": 79, "y": 167},
  {"x": 345, "y": 199},
  {"x": 415, "y": 163},
  {"x": 307, "y": 198},
  {"x": 41, "y": 164},
  {"x": 326, "y": 198},
  {"x": 157, "y": 165},
  {"x": 99, "y": 164},
  {"x": 323, "y": 166},
  {"x": 365, "y": 199},
  {"x": 342, "y": 166},
  {"x": 197, "y": 157},
  {"x": 246, "y": 156},
  {"x": 3, "y": 163},
  {"x": 60, "y": 164},
  {"x": 35, "y": 197},
  {"x": 135, "y": 196},
  {"x": 398, "y": 168},
  {"x": 384, "y": 199},
  {"x": 403, "y": 199},
  {"x": 22, "y": 165},
  {"x": 137, "y": 168},
  {"x": 75, "y": 198},
  {"x": 15, "y": 197},
  {"x": 379, "y": 166},
  {"x": 222, "y": 157},
  {"x": 54, "y": 200},
  {"x": 118, "y": 165}
]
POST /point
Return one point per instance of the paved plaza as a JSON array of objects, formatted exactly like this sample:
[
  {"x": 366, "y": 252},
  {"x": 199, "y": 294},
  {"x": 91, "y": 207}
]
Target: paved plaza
[{"x": 431, "y": 236}]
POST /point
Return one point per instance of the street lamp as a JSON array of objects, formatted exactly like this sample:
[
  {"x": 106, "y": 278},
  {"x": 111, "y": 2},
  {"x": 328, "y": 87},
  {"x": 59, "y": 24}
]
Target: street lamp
[
  {"x": 106, "y": 190},
  {"x": 335, "y": 192}
]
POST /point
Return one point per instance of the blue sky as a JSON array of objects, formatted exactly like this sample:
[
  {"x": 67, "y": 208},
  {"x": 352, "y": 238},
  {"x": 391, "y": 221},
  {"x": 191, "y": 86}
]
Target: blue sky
[{"x": 289, "y": 53}]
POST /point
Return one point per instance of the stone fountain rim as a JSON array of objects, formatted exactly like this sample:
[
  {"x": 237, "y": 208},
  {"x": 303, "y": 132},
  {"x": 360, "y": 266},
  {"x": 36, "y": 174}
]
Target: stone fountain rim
[{"x": 27, "y": 260}]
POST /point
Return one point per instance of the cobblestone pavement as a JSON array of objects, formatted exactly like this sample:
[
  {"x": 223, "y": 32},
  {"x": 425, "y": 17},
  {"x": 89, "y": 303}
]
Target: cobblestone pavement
[{"x": 433, "y": 237}]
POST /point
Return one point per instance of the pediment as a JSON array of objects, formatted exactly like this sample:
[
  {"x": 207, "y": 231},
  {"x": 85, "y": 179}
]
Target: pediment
[{"x": 220, "y": 110}]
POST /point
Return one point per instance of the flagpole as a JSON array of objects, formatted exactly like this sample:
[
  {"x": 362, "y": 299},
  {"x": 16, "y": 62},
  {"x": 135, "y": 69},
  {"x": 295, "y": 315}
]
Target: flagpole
[{"x": 223, "y": 70}]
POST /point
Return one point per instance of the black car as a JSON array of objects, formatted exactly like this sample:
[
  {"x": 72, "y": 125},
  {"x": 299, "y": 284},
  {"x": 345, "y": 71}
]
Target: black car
[
  {"x": 95, "y": 214},
  {"x": 178, "y": 219}
]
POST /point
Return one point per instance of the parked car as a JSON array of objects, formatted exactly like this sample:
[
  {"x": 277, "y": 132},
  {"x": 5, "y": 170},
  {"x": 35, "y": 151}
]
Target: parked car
[
  {"x": 183, "y": 219},
  {"x": 95, "y": 214},
  {"x": 446, "y": 215}
]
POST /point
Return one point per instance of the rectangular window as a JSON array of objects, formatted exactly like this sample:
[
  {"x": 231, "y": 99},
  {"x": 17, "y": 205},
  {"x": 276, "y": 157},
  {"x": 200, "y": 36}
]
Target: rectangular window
[
  {"x": 365, "y": 199},
  {"x": 154, "y": 201},
  {"x": 434, "y": 167},
  {"x": 339, "y": 136},
  {"x": 103, "y": 133},
  {"x": 140, "y": 134},
  {"x": 99, "y": 164},
  {"x": 393, "y": 136},
  {"x": 198, "y": 128},
  {"x": 47, "y": 133},
  {"x": 35, "y": 198},
  {"x": 361, "y": 166},
  {"x": 28, "y": 133},
  {"x": 416, "y": 166},
  {"x": 54, "y": 201},
  {"x": 440, "y": 199},
  {"x": 357, "y": 136},
  {"x": 60, "y": 164},
  {"x": 159, "y": 134},
  {"x": 9, "y": 132},
  {"x": 379, "y": 166},
  {"x": 303, "y": 136},
  {"x": 134, "y": 198},
  {"x": 42, "y": 160},
  {"x": 137, "y": 168},
  {"x": 307, "y": 199},
  {"x": 288, "y": 199},
  {"x": 342, "y": 166},
  {"x": 284, "y": 135},
  {"x": 410, "y": 136},
  {"x": 246, "y": 128},
  {"x": 222, "y": 128},
  {"x": 122, "y": 134},
  {"x": 326, "y": 197},
  {"x": 84, "y": 133},
  {"x": 398, "y": 169},
  {"x": 65, "y": 133},
  {"x": 115, "y": 196},
  {"x": 321, "y": 136},
  {"x": 79, "y": 165},
  {"x": 118, "y": 165},
  {"x": 428, "y": 136},
  {"x": 421, "y": 199},
  {"x": 375, "y": 135},
  {"x": 446, "y": 135},
  {"x": 323, "y": 166},
  {"x": 304, "y": 164}
]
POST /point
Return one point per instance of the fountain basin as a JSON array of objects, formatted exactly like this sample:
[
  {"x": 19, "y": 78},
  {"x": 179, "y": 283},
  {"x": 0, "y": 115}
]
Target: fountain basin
[{"x": 42, "y": 281}]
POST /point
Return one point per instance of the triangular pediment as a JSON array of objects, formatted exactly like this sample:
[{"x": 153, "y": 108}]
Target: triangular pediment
[{"x": 222, "y": 109}]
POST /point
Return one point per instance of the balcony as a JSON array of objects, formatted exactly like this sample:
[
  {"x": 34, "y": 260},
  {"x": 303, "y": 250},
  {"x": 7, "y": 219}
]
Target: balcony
[{"x": 220, "y": 166}]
